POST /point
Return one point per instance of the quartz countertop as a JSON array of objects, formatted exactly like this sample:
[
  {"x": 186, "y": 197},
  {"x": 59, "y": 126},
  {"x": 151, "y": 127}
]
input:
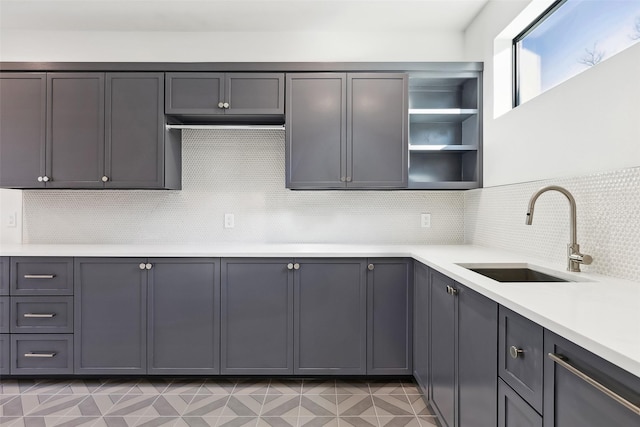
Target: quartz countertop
[{"x": 599, "y": 313}]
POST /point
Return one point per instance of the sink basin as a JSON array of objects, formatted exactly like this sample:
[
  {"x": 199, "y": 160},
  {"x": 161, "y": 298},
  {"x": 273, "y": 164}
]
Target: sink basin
[
  {"x": 516, "y": 275},
  {"x": 519, "y": 272}
]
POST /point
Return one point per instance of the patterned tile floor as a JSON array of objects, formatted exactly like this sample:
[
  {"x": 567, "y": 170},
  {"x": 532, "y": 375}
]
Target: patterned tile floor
[{"x": 214, "y": 403}]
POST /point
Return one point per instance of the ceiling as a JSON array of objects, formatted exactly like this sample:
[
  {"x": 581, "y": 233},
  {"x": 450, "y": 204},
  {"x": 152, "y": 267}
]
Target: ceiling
[{"x": 239, "y": 15}]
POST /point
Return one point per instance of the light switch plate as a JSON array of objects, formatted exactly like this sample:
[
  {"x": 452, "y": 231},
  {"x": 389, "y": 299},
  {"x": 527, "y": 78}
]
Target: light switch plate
[
  {"x": 425, "y": 220},
  {"x": 229, "y": 220}
]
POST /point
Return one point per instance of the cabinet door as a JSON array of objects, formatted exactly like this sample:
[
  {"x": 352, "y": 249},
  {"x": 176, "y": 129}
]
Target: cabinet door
[
  {"x": 257, "y": 316},
  {"x": 23, "y": 104},
  {"x": 254, "y": 93},
  {"x": 389, "y": 317},
  {"x": 194, "y": 93},
  {"x": 315, "y": 132},
  {"x": 421, "y": 326},
  {"x": 110, "y": 316},
  {"x": 477, "y": 356},
  {"x": 5, "y": 354},
  {"x": 443, "y": 348},
  {"x": 330, "y": 317},
  {"x": 184, "y": 316},
  {"x": 513, "y": 411},
  {"x": 5, "y": 315},
  {"x": 570, "y": 401},
  {"x": 134, "y": 137},
  {"x": 377, "y": 136},
  {"x": 4, "y": 275},
  {"x": 75, "y": 130}
]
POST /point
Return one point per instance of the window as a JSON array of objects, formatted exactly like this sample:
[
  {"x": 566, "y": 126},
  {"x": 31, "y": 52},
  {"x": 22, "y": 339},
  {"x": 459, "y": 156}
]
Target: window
[{"x": 569, "y": 38}]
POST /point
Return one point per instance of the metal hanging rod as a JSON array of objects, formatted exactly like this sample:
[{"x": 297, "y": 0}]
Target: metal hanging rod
[{"x": 242, "y": 127}]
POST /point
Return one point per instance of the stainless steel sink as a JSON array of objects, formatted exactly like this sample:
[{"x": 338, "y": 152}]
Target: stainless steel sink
[{"x": 520, "y": 272}]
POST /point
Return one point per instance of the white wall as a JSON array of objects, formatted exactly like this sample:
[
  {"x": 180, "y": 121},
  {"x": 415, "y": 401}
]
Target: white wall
[
  {"x": 586, "y": 124},
  {"x": 97, "y": 46}
]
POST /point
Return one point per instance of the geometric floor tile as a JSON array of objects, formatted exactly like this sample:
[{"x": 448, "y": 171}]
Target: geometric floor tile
[{"x": 211, "y": 402}]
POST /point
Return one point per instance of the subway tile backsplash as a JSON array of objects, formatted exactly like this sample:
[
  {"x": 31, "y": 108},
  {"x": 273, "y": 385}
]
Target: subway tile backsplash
[
  {"x": 608, "y": 206},
  {"x": 240, "y": 172}
]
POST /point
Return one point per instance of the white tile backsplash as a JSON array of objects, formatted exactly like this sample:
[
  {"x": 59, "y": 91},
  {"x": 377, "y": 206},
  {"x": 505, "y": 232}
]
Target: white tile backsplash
[
  {"x": 240, "y": 172},
  {"x": 608, "y": 206}
]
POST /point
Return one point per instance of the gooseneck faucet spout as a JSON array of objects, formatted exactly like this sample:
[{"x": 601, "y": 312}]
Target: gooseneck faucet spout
[{"x": 574, "y": 257}]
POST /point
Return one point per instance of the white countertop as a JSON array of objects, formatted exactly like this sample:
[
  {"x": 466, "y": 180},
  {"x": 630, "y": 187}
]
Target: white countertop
[{"x": 599, "y": 313}]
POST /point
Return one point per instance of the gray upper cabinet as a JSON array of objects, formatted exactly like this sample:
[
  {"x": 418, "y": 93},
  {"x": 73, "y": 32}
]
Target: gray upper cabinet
[
  {"x": 421, "y": 326},
  {"x": 183, "y": 315},
  {"x": 23, "y": 105},
  {"x": 211, "y": 94},
  {"x": 571, "y": 401},
  {"x": 346, "y": 130},
  {"x": 389, "y": 316},
  {"x": 75, "y": 130},
  {"x": 257, "y": 316},
  {"x": 330, "y": 316},
  {"x": 139, "y": 152},
  {"x": 110, "y": 316}
]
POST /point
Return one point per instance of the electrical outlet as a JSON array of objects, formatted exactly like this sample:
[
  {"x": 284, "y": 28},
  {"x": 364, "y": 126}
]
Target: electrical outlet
[
  {"x": 229, "y": 220},
  {"x": 12, "y": 220},
  {"x": 425, "y": 220}
]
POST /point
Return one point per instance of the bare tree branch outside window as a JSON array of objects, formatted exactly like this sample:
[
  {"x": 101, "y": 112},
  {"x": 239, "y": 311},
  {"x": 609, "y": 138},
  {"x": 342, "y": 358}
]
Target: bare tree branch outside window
[
  {"x": 636, "y": 29},
  {"x": 592, "y": 56}
]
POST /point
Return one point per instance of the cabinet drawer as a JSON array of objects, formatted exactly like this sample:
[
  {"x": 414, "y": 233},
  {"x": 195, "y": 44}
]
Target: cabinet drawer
[
  {"x": 4, "y": 315},
  {"x": 41, "y": 354},
  {"x": 41, "y": 276},
  {"x": 513, "y": 411},
  {"x": 42, "y": 315},
  {"x": 5, "y": 354},
  {"x": 520, "y": 356}
]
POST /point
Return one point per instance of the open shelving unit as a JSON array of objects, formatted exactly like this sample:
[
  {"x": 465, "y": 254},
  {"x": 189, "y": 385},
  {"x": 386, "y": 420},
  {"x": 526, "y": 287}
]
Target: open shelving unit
[{"x": 445, "y": 140}]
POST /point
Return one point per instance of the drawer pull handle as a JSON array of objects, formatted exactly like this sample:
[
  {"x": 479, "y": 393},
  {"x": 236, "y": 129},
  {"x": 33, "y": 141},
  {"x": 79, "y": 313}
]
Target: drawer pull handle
[
  {"x": 39, "y": 276},
  {"x": 41, "y": 355},
  {"x": 563, "y": 361},
  {"x": 38, "y": 315},
  {"x": 515, "y": 352}
]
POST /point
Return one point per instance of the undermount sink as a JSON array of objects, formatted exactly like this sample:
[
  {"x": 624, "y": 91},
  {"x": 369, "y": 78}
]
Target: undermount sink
[{"x": 519, "y": 272}]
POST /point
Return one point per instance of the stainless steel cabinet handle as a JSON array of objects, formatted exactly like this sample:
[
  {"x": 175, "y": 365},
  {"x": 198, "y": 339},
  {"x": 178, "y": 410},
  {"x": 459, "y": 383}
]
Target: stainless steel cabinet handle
[
  {"x": 39, "y": 179},
  {"x": 371, "y": 267},
  {"x": 220, "y": 104},
  {"x": 105, "y": 178},
  {"x": 142, "y": 266},
  {"x": 226, "y": 105},
  {"x": 296, "y": 266},
  {"x": 451, "y": 290},
  {"x": 42, "y": 355},
  {"x": 343, "y": 179},
  {"x": 39, "y": 276},
  {"x": 290, "y": 266},
  {"x": 515, "y": 352},
  {"x": 148, "y": 266},
  {"x": 563, "y": 361},
  {"x": 38, "y": 315},
  {"x": 46, "y": 178},
  {"x": 348, "y": 179}
]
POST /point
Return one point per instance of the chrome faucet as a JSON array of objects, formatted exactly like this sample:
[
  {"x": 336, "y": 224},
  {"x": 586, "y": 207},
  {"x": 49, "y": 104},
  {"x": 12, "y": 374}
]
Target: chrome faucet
[{"x": 574, "y": 257}]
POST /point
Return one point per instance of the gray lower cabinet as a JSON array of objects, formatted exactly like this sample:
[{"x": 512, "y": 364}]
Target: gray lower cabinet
[
  {"x": 463, "y": 354},
  {"x": 41, "y": 276},
  {"x": 330, "y": 317},
  {"x": 513, "y": 410},
  {"x": 389, "y": 316},
  {"x": 183, "y": 316},
  {"x": 5, "y": 262},
  {"x": 346, "y": 130},
  {"x": 257, "y": 316},
  {"x": 35, "y": 354},
  {"x": 5, "y": 354},
  {"x": 110, "y": 304},
  {"x": 571, "y": 401},
  {"x": 46, "y": 314},
  {"x": 421, "y": 326},
  {"x": 23, "y": 97}
]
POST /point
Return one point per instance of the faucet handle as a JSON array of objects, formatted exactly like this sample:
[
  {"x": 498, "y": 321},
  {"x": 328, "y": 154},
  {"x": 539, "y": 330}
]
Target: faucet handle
[{"x": 581, "y": 258}]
